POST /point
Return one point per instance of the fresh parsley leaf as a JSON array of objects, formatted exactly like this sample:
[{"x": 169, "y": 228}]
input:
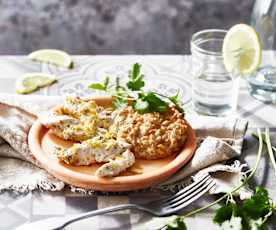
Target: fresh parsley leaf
[
  {"x": 175, "y": 100},
  {"x": 136, "y": 80},
  {"x": 251, "y": 213},
  {"x": 100, "y": 86},
  {"x": 258, "y": 205},
  {"x": 97, "y": 86},
  {"x": 141, "y": 106},
  {"x": 260, "y": 191},
  {"x": 155, "y": 104},
  {"x": 224, "y": 213},
  {"x": 176, "y": 224}
]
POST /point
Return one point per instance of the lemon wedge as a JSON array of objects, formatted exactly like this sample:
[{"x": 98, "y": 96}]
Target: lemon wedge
[
  {"x": 52, "y": 56},
  {"x": 242, "y": 51},
  {"x": 33, "y": 81}
]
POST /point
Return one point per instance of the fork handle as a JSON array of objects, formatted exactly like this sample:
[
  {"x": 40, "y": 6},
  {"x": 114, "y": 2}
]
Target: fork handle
[{"x": 72, "y": 219}]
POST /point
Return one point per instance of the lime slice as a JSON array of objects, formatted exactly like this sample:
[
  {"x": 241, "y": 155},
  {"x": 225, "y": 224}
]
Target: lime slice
[
  {"x": 242, "y": 52},
  {"x": 33, "y": 81},
  {"x": 52, "y": 56}
]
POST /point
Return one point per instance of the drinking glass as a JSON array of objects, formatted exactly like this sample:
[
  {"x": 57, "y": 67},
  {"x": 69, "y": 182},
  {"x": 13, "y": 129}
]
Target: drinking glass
[
  {"x": 262, "y": 83},
  {"x": 215, "y": 90}
]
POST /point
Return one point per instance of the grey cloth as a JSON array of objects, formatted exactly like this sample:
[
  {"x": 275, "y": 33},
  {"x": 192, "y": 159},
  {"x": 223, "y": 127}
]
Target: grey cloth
[{"x": 218, "y": 140}]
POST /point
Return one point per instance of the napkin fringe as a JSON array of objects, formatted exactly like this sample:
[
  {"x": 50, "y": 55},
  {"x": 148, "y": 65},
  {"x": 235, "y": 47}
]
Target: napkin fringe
[
  {"x": 82, "y": 190},
  {"x": 25, "y": 188}
]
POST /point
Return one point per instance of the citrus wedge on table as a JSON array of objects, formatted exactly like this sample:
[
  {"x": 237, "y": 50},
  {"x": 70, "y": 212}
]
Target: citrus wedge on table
[
  {"x": 33, "y": 81},
  {"x": 242, "y": 49},
  {"x": 52, "y": 56}
]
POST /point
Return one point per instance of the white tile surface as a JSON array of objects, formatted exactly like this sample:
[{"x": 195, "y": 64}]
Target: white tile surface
[
  {"x": 108, "y": 201},
  {"x": 45, "y": 204}
]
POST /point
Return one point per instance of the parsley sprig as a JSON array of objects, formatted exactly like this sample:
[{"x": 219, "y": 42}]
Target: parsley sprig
[
  {"x": 142, "y": 102},
  {"x": 253, "y": 213}
]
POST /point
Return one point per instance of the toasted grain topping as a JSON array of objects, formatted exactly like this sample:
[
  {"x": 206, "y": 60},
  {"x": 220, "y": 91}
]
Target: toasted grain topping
[{"x": 151, "y": 135}]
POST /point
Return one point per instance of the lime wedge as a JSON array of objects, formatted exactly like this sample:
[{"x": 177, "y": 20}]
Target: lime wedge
[
  {"x": 33, "y": 81},
  {"x": 242, "y": 51},
  {"x": 52, "y": 56}
]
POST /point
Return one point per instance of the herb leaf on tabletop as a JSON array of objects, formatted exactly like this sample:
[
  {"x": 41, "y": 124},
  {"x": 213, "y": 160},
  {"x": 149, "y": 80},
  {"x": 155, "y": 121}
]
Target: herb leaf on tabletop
[
  {"x": 176, "y": 224},
  {"x": 224, "y": 213},
  {"x": 252, "y": 213}
]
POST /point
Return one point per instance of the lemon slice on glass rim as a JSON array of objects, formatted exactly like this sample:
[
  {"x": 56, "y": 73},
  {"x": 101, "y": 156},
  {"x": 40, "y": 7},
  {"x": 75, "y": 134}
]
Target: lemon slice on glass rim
[
  {"x": 33, "y": 81},
  {"x": 242, "y": 50},
  {"x": 52, "y": 56}
]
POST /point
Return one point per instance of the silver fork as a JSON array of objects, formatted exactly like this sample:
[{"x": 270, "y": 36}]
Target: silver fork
[{"x": 162, "y": 207}]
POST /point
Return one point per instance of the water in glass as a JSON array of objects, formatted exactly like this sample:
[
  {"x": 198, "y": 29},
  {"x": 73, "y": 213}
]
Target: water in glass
[{"x": 215, "y": 90}]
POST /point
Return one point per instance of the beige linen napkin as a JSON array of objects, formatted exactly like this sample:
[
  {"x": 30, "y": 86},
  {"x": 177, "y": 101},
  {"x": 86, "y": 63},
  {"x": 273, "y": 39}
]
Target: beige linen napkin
[{"x": 218, "y": 139}]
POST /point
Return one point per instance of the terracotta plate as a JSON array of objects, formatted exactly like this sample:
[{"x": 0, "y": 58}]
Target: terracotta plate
[{"x": 42, "y": 144}]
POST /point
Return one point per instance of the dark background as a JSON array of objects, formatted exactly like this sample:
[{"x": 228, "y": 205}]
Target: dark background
[{"x": 113, "y": 26}]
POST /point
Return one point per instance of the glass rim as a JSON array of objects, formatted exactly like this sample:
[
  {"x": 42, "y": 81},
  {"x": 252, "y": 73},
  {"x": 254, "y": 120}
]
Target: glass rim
[{"x": 196, "y": 37}]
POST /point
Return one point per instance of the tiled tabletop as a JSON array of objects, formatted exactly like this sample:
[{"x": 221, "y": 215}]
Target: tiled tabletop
[{"x": 163, "y": 73}]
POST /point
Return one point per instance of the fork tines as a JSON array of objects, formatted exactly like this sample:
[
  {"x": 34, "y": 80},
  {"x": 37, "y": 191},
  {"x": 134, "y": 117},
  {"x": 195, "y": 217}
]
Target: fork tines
[{"x": 189, "y": 194}]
